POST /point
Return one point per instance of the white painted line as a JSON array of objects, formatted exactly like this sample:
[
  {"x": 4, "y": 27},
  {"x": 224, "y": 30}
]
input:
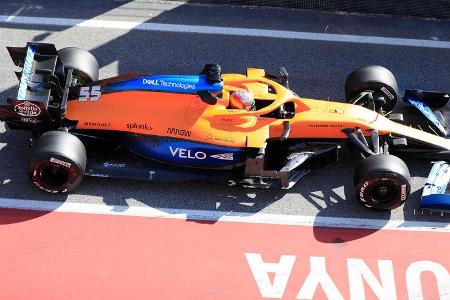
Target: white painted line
[
  {"x": 295, "y": 35},
  {"x": 15, "y": 14},
  {"x": 206, "y": 215}
]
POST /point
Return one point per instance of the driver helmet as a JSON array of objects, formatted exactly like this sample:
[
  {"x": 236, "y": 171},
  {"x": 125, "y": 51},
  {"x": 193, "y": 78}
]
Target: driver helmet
[{"x": 242, "y": 99}]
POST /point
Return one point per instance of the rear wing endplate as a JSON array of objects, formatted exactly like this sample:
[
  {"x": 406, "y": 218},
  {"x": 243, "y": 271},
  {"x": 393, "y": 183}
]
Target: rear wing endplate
[{"x": 40, "y": 96}]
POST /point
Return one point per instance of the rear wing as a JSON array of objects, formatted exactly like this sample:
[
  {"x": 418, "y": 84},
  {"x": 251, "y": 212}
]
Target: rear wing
[{"x": 39, "y": 101}]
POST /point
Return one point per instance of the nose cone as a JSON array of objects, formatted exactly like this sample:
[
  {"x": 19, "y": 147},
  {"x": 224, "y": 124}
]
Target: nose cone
[{"x": 359, "y": 113}]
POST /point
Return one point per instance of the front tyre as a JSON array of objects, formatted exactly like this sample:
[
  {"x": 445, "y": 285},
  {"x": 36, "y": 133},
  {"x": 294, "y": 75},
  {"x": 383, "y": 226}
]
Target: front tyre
[
  {"x": 377, "y": 79},
  {"x": 382, "y": 182},
  {"x": 58, "y": 163}
]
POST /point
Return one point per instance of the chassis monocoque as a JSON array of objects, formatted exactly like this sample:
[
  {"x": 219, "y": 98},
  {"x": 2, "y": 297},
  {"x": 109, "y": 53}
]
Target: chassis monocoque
[{"x": 181, "y": 128}]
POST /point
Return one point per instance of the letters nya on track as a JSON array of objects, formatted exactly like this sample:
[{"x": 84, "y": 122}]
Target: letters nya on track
[{"x": 382, "y": 282}]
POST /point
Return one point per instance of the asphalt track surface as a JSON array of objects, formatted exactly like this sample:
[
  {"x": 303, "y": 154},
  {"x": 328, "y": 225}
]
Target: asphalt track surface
[{"x": 318, "y": 70}]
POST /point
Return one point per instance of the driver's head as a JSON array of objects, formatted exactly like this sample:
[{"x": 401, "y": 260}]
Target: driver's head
[{"x": 242, "y": 99}]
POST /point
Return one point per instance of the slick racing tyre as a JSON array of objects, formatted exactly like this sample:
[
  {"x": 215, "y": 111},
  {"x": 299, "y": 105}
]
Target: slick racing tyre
[
  {"x": 58, "y": 163},
  {"x": 377, "y": 79},
  {"x": 83, "y": 63},
  {"x": 382, "y": 182}
]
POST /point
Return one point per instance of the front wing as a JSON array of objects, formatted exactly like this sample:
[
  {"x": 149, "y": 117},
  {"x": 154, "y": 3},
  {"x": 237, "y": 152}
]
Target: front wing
[
  {"x": 434, "y": 198},
  {"x": 434, "y": 107}
]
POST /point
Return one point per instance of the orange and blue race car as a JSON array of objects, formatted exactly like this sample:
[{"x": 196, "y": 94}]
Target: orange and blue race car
[{"x": 184, "y": 127}]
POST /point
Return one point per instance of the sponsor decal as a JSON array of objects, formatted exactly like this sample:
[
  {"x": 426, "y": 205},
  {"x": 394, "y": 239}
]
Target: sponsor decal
[
  {"x": 89, "y": 93},
  {"x": 45, "y": 189},
  {"x": 387, "y": 93},
  {"x": 113, "y": 165},
  {"x": 144, "y": 126},
  {"x": 212, "y": 139},
  {"x": 361, "y": 192},
  {"x": 150, "y": 81},
  {"x": 226, "y": 119},
  {"x": 403, "y": 192},
  {"x": 30, "y": 120},
  {"x": 27, "y": 109},
  {"x": 60, "y": 162},
  {"x": 325, "y": 125},
  {"x": 26, "y": 72},
  {"x": 180, "y": 132},
  {"x": 164, "y": 83},
  {"x": 97, "y": 124},
  {"x": 199, "y": 155},
  {"x": 223, "y": 156},
  {"x": 187, "y": 153}
]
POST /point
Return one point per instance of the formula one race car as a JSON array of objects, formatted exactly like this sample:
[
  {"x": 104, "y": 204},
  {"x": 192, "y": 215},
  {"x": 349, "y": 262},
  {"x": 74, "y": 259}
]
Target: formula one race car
[{"x": 182, "y": 128}]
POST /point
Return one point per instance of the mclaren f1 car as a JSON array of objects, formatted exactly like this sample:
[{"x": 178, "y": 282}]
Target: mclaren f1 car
[{"x": 182, "y": 128}]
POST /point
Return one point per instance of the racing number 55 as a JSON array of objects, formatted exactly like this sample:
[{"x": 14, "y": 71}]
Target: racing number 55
[{"x": 89, "y": 93}]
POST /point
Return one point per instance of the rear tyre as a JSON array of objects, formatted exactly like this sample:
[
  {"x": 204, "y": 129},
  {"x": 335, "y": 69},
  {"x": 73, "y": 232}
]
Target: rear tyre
[
  {"x": 382, "y": 182},
  {"x": 377, "y": 79},
  {"x": 84, "y": 64},
  {"x": 58, "y": 163}
]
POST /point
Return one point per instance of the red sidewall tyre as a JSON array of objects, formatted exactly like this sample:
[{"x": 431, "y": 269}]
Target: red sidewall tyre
[
  {"x": 397, "y": 191},
  {"x": 382, "y": 182},
  {"x": 59, "y": 162}
]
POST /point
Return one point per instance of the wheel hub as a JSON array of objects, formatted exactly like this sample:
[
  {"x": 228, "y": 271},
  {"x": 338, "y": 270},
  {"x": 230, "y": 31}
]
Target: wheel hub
[
  {"x": 54, "y": 175},
  {"x": 382, "y": 190}
]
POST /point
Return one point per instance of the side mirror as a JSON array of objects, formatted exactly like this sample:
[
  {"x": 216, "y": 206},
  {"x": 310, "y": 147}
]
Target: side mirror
[{"x": 213, "y": 73}]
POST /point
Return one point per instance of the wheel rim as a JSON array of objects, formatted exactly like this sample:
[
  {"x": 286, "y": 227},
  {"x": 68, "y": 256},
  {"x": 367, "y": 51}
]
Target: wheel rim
[
  {"x": 383, "y": 192},
  {"x": 54, "y": 175},
  {"x": 382, "y": 102}
]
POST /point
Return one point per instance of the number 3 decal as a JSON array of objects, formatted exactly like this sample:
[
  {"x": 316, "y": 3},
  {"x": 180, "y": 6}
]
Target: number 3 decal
[{"x": 89, "y": 93}]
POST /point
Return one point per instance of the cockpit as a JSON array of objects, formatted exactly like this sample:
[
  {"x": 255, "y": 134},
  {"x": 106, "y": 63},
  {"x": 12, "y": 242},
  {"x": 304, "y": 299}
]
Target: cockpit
[{"x": 255, "y": 93}]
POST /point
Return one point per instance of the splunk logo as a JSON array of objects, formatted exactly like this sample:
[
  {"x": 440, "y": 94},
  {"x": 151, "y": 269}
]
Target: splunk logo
[
  {"x": 168, "y": 84},
  {"x": 144, "y": 126},
  {"x": 26, "y": 72}
]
